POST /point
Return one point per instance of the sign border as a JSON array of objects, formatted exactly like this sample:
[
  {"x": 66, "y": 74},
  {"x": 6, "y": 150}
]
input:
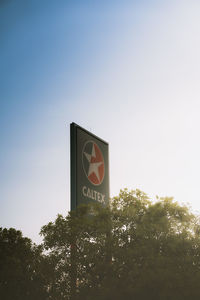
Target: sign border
[{"x": 73, "y": 160}]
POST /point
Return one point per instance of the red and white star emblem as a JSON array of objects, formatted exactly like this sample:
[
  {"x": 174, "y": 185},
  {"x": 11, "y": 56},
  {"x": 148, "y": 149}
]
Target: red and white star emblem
[{"x": 93, "y": 163}]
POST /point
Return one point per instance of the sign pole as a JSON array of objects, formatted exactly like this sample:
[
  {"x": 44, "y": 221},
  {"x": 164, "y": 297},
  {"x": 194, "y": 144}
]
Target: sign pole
[{"x": 89, "y": 181}]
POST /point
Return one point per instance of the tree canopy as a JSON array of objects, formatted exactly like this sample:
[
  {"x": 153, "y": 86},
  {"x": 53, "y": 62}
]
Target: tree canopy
[
  {"x": 22, "y": 267},
  {"x": 134, "y": 249}
]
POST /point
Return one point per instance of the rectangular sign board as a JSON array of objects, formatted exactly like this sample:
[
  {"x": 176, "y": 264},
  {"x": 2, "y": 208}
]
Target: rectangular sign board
[{"x": 89, "y": 168}]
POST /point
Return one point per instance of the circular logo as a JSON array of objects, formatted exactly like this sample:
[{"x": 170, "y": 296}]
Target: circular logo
[{"x": 93, "y": 162}]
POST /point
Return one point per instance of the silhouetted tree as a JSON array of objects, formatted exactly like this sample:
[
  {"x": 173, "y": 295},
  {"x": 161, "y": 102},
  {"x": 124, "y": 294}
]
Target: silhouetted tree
[
  {"x": 134, "y": 249},
  {"x": 22, "y": 267}
]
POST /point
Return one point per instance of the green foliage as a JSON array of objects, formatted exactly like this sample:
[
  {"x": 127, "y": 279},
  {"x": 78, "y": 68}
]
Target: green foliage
[
  {"x": 82, "y": 233},
  {"x": 21, "y": 265},
  {"x": 135, "y": 249}
]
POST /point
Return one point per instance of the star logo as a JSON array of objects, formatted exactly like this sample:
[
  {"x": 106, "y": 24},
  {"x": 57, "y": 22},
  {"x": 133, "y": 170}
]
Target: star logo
[{"x": 93, "y": 163}]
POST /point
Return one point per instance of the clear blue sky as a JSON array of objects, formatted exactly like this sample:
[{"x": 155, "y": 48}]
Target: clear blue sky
[{"x": 129, "y": 71}]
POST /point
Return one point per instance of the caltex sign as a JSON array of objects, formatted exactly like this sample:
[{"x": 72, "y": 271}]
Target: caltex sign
[{"x": 89, "y": 168}]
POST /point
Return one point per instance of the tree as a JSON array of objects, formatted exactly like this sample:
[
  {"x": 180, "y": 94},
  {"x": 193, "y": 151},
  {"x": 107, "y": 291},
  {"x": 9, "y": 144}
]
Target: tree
[
  {"x": 134, "y": 249},
  {"x": 21, "y": 264},
  {"x": 156, "y": 248},
  {"x": 85, "y": 231}
]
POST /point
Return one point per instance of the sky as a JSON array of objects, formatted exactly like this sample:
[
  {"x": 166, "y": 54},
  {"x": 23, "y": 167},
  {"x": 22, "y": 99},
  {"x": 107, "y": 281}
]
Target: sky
[{"x": 128, "y": 71}]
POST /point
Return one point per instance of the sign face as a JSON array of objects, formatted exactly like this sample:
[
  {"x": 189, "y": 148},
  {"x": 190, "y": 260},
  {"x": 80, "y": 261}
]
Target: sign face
[{"x": 89, "y": 168}]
